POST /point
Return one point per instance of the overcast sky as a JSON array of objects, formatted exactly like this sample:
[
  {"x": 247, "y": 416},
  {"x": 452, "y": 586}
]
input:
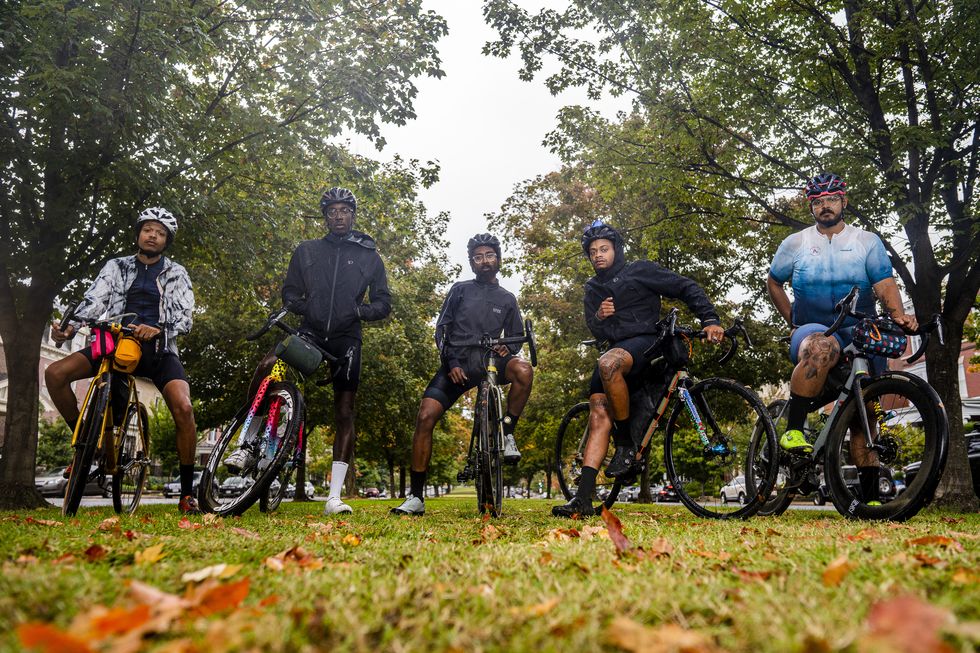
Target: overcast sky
[{"x": 482, "y": 123}]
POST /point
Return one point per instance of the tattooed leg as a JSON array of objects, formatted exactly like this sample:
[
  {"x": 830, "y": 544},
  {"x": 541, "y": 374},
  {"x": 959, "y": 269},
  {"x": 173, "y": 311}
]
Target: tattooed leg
[
  {"x": 614, "y": 365},
  {"x": 818, "y": 355},
  {"x": 600, "y": 424}
]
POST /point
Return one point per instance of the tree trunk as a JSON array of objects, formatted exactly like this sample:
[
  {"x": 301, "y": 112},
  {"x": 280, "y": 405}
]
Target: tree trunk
[
  {"x": 548, "y": 484},
  {"x": 955, "y": 490},
  {"x": 645, "y": 496},
  {"x": 301, "y": 476},
  {"x": 22, "y": 351},
  {"x": 391, "y": 477},
  {"x": 350, "y": 482},
  {"x": 435, "y": 487},
  {"x": 401, "y": 482}
]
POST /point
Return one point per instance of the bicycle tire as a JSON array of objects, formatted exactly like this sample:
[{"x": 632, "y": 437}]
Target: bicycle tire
[
  {"x": 291, "y": 410},
  {"x": 93, "y": 416},
  {"x": 730, "y": 413},
  {"x": 132, "y": 459},
  {"x": 271, "y": 499},
  {"x": 573, "y": 434},
  {"x": 892, "y": 393},
  {"x": 489, "y": 453},
  {"x": 780, "y": 503}
]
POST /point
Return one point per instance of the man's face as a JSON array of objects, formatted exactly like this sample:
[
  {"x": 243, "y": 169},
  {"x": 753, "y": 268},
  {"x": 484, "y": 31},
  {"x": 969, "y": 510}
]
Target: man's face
[
  {"x": 828, "y": 210},
  {"x": 340, "y": 218},
  {"x": 602, "y": 254},
  {"x": 152, "y": 238},
  {"x": 484, "y": 261}
]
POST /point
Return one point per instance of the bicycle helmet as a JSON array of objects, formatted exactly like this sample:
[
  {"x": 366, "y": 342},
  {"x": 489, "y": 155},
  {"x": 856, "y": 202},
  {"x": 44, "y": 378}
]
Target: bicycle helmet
[
  {"x": 483, "y": 240},
  {"x": 163, "y": 216},
  {"x": 599, "y": 230},
  {"x": 826, "y": 183},
  {"x": 337, "y": 195}
]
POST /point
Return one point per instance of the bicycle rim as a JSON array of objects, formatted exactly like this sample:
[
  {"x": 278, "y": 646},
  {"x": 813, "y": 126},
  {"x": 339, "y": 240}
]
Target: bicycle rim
[
  {"x": 271, "y": 499},
  {"x": 731, "y": 416},
  {"x": 783, "y": 496},
  {"x": 573, "y": 434},
  {"x": 281, "y": 406},
  {"x": 132, "y": 460},
  {"x": 88, "y": 441},
  {"x": 909, "y": 422}
]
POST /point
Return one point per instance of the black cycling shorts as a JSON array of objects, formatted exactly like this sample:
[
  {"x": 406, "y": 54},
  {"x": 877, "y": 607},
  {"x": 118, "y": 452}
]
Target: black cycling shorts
[
  {"x": 160, "y": 368},
  {"x": 635, "y": 346},
  {"x": 442, "y": 389},
  {"x": 346, "y": 372}
]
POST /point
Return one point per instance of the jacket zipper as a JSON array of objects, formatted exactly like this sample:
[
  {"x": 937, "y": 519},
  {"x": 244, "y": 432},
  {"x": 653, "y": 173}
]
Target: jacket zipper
[{"x": 333, "y": 289}]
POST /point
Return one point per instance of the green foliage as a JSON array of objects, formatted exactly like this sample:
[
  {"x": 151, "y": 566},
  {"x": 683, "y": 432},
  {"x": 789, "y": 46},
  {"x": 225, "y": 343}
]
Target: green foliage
[
  {"x": 53, "y": 443},
  {"x": 163, "y": 437}
]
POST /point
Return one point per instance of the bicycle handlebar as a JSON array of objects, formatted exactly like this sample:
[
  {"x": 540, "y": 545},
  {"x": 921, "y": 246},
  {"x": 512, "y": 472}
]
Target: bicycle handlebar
[
  {"x": 487, "y": 342},
  {"x": 670, "y": 327},
  {"x": 275, "y": 320},
  {"x": 847, "y": 307}
]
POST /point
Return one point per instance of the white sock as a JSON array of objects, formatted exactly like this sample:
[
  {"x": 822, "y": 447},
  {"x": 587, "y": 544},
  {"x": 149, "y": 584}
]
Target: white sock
[{"x": 337, "y": 474}]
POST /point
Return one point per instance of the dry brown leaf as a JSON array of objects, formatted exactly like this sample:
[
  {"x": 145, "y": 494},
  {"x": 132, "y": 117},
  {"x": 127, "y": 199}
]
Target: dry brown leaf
[
  {"x": 113, "y": 622},
  {"x": 938, "y": 540},
  {"x": 42, "y": 522},
  {"x": 95, "y": 552},
  {"x": 668, "y": 638},
  {"x": 546, "y": 559},
  {"x": 771, "y": 532},
  {"x": 109, "y": 524},
  {"x": 212, "y": 519},
  {"x": 150, "y": 555},
  {"x": 588, "y": 532},
  {"x": 925, "y": 560},
  {"x": 906, "y": 624},
  {"x": 615, "y": 528},
  {"x": 537, "y": 610},
  {"x": 296, "y": 557},
  {"x": 186, "y": 523},
  {"x": 252, "y": 535},
  {"x": 864, "y": 534},
  {"x": 64, "y": 559},
  {"x": 488, "y": 533},
  {"x": 47, "y": 638},
  {"x": 723, "y": 555},
  {"x": 220, "y": 571},
  {"x": 211, "y": 597},
  {"x": 837, "y": 570},
  {"x": 659, "y": 548},
  {"x": 352, "y": 539},
  {"x": 26, "y": 559},
  {"x": 321, "y": 527},
  {"x": 966, "y": 576},
  {"x": 560, "y": 534},
  {"x": 748, "y": 574}
]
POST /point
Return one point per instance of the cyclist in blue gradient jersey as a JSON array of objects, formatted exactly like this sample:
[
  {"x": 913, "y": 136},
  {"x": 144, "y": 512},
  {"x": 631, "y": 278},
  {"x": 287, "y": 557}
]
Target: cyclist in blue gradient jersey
[{"x": 823, "y": 263}]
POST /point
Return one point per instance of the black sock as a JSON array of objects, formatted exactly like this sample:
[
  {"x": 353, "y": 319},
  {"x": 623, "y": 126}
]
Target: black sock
[
  {"x": 418, "y": 484},
  {"x": 510, "y": 423},
  {"x": 186, "y": 480},
  {"x": 868, "y": 478},
  {"x": 586, "y": 484},
  {"x": 621, "y": 434},
  {"x": 796, "y": 413}
]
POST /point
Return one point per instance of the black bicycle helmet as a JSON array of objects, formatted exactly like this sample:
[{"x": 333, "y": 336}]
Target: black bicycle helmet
[
  {"x": 599, "y": 230},
  {"x": 826, "y": 183},
  {"x": 483, "y": 240},
  {"x": 335, "y": 195}
]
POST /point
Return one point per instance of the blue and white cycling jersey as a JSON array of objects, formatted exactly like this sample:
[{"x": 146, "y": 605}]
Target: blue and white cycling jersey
[{"x": 823, "y": 270}]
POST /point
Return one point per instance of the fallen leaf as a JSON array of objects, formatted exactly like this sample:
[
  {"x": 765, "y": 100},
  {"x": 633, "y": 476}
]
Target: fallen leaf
[
  {"x": 864, "y": 534},
  {"x": 272, "y": 599},
  {"x": 837, "y": 570},
  {"x": 109, "y": 524},
  {"x": 212, "y": 519},
  {"x": 25, "y": 559},
  {"x": 488, "y": 533},
  {"x": 748, "y": 530},
  {"x": 320, "y": 527},
  {"x": 537, "y": 610},
  {"x": 245, "y": 533},
  {"x": 938, "y": 540},
  {"x": 212, "y": 598},
  {"x": 660, "y": 547},
  {"x": 221, "y": 570},
  {"x": 296, "y": 556},
  {"x": 186, "y": 523},
  {"x": 965, "y": 576},
  {"x": 49, "y": 639},
  {"x": 615, "y": 528},
  {"x": 951, "y": 520},
  {"x": 65, "y": 559},
  {"x": 352, "y": 539},
  {"x": 560, "y": 534},
  {"x": 588, "y": 532},
  {"x": 150, "y": 555},
  {"x": 906, "y": 624},
  {"x": 747, "y": 574},
  {"x": 95, "y": 552},
  {"x": 43, "y": 522},
  {"x": 129, "y": 535},
  {"x": 723, "y": 555},
  {"x": 669, "y": 638},
  {"x": 925, "y": 560},
  {"x": 118, "y": 621},
  {"x": 771, "y": 532},
  {"x": 546, "y": 559}
]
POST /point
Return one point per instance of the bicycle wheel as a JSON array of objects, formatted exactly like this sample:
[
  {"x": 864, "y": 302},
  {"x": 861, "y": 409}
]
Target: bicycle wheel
[
  {"x": 490, "y": 472},
  {"x": 273, "y": 429},
  {"x": 132, "y": 459},
  {"x": 908, "y": 417},
  {"x": 783, "y": 495},
  {"x": 573, "y": 434},
  {"x": 728, "y": 414},
  {"x": 270, "y": 500},
  {"x": 93, "y": 420}
]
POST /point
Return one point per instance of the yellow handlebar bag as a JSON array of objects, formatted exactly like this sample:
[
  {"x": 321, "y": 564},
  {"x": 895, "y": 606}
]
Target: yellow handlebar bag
[{"x": 127, "y": 356}]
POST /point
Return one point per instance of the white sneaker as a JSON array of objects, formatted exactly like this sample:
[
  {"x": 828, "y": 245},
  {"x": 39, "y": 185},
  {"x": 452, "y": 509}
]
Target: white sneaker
[
  {"x": 410, "y": 506},
  {"x": 334, "y": 506}
]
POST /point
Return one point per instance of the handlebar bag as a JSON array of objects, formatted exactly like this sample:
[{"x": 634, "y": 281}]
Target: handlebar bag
[
  {"x": 880, "y": 337},
  {"x": 128, "y": 354},
  {"x": 299, "y": 354},
  {"x": 103, "y": 344}
]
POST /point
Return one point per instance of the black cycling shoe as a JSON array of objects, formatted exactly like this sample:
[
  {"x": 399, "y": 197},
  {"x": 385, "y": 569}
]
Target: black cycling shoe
[
  {"x": 574, "y": 508},
  {"x": 623, "y": 461}
]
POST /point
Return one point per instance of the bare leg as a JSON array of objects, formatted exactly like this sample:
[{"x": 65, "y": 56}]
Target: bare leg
[
  {"x": 430, "y": 411},
  {"x": 818, "y": 355},
  {"x": 521, "y": 376},
  {"x": 614, "y": 365},
  {"x": 600, "y": 424},
  {"x": 58, "y": 378},
  {"x": 177, "y": 394}
]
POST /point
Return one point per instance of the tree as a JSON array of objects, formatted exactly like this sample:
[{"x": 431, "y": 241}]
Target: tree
[
  {"x": 163, "y": 437},
  {"x": 738, "y": 102},
  {"x": 204, "y": 107},
  {"x": 54, "y": 444}
]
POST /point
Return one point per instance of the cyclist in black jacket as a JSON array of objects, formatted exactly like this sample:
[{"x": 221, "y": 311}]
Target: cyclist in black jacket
[
  {"x": 622, "y": 307},
  {"x": 326, "y": 283},
  {"x": 471, "y": 309}
]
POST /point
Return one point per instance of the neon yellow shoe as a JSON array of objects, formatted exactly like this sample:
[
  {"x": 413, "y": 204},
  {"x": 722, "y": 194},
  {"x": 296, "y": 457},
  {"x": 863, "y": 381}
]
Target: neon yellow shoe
[
  {"x": 873, "y": 503},
  {"x": 795, "y": 442}
]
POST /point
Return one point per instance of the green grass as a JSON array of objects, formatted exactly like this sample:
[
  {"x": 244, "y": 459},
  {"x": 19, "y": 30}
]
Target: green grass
[{"x": 433, "y": 583}]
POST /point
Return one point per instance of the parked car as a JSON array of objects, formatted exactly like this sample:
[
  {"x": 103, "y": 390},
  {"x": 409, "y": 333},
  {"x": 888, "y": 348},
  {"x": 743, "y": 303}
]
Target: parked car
[
  {"x": 53, "y": 484},
  {"x": 972, "y": 453},
  {"x": 371, "y": 493},
  {"x": 172, "y": 487},
  {"x": 887, "y": 487},
  {"x": 291, "y": 490},
  {"x": 666, "y": 493},
  {"x": 234, "y": 485},
  {"x": 734, "y": 490}
]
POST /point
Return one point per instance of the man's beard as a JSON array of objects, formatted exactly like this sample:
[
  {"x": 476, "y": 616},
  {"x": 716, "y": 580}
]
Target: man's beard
[
  {"x": 831, "y": 221},
  {"x": 479, "y": 270}
]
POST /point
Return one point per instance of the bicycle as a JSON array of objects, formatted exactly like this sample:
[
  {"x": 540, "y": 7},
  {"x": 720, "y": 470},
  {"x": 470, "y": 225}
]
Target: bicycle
[
  {"x": 712, "y": 432},
  {"x": 271, "y": 426},
  {"x": 114, "y": 453},
  {"x": 896, "y": 411},
  {"x": 484, "y": 460}
]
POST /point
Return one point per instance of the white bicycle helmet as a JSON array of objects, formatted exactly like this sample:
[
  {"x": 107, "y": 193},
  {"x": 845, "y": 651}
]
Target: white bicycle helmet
[{"x": 163, "y": 216}]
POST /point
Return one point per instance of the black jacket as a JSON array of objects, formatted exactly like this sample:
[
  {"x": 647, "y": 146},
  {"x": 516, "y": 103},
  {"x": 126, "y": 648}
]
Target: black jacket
[
  {"x": 636, "y": 289},
  {"x": 472, "y": 309},
  {"x": 327, "y": 281}
]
